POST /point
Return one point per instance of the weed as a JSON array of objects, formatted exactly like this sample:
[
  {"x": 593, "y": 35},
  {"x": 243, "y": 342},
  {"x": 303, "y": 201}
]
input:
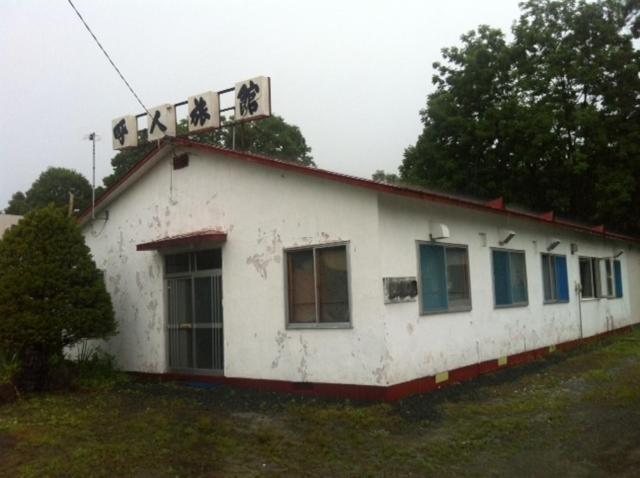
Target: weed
[
  {"x": 576, "y": 415},
  {"x": 97, "y": 371},
  {"x": 9, "y": 368}
]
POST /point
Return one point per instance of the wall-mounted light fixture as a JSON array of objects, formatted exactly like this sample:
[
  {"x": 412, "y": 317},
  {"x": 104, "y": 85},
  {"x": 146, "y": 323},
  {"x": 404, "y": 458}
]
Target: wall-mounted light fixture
[
  {"x": 552, "y": 244},
  {"x": 506, "y": 236},
  {"x": 618, "y": 254},
  {"x": 438, "y": 231},
  {"x": 574, "y": 248}
]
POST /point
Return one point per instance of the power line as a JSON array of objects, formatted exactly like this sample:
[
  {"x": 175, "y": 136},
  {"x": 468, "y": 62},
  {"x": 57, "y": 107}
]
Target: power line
[{"x": 108, "y": 57}]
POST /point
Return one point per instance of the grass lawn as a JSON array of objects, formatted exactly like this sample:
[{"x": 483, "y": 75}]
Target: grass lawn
[{"x": 574, "y": 414}]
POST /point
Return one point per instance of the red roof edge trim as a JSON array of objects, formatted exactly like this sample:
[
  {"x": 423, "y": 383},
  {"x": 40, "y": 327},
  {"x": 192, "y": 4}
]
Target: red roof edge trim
[
  {"x": 498, "y": 206},
  {"x": 497, "y": 203},
  {"x": 87, "y": 212},
  {"x": 548, "y": 216},
  {"x": 191, "y": 239},
  {"x": 600, "y": 229}
]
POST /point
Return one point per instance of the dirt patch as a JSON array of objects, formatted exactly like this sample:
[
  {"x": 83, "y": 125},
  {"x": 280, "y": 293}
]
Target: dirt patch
[
  {"x": 7, "y": 393},
  {"x": 7, "y": 442}
]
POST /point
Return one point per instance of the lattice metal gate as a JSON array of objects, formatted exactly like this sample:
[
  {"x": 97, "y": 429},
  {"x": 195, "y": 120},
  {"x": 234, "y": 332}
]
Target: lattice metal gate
[{"x": 195, "y": 322}]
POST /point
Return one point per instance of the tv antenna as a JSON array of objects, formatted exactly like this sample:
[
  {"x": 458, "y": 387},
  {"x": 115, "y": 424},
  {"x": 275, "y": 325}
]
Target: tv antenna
[{"x": 93, "y": 137}]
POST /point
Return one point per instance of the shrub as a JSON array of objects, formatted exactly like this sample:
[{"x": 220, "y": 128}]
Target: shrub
[
  {"x": 51, "y": 293},
  {"x": 97, "y": 370},
  {"x": 9, "y": 368}
]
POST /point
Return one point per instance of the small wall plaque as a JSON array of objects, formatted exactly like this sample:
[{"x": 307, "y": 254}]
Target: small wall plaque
[{"x": 400, "y": 289}]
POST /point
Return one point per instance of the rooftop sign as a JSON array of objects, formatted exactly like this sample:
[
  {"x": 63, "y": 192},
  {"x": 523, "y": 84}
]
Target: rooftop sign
[{"x": 252, "y": 101}]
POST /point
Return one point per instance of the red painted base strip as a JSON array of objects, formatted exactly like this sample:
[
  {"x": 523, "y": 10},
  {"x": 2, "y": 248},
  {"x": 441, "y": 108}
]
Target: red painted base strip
[{"x": 380, "y": 393}]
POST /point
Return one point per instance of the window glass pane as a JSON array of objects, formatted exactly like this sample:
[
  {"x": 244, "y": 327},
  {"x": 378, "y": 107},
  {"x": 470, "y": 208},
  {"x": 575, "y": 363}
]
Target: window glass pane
[
  {"x": 176, "y": 263},
  {"x": 217, "y": 300},
  {"x": 179, "y": 301},
  {"x": 218, "y": 349},
  {"x": 518, "y": 278},
  {"x": 501, "y": 275},
  {"x": 562, "y": 281},
  {"x": 434, "y": 282},
  {"x": 586, "y": 278},
  {"x": 203, "y": 300},
  {"x": 596, "y": 279},
  {"x": 180, "y": 348},
  {"x": 180, "y": 321},
  {"x": 301, "y": 287},
  {"x": 458, "y": 277},
  {"x": 609, "y": 276},
  {"x": 333, "y": 284},
  {"x": 547, "y": 278},
  {"x": 618, "y": 277},
  {"x": 204, "y": 348},
  {"x": 211, "y": 259}
]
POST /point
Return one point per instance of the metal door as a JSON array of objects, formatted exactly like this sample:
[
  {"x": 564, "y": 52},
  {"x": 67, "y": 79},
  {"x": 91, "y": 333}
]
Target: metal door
[{"x": 195, "y": 322}]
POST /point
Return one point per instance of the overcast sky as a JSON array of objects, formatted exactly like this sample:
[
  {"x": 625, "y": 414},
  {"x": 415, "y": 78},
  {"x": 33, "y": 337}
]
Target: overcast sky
[{"x": 353, "y": 75}]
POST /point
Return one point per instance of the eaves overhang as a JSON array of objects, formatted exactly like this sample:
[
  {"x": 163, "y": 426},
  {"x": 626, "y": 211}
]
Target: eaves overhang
[
  {"x": 191, "y": 239},
  {"x": 494, "y": 207}
]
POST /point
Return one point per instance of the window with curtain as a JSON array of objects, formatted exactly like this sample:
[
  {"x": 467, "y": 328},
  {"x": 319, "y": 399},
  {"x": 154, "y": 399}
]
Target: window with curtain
[
  {"x": 509, "y": 278},
  {"x": 554, "y": 278},
  {"x": 317, "y": 286},
  {"x": 600, "y": 277},
  {"x": 444, "y": 273},
  {"x": 617, "y": 275}
]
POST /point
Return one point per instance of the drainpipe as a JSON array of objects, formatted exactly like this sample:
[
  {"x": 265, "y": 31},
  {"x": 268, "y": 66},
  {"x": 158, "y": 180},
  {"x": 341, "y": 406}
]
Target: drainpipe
[{"x": 578, "y": 288}]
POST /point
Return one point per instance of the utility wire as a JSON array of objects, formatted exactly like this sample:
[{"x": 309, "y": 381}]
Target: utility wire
[{"x": 108, "y": 57}]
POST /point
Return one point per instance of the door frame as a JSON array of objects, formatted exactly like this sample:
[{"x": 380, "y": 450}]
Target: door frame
[{"x": 190, "y": 275}]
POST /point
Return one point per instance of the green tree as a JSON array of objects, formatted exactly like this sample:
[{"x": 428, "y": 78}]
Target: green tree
[
  {"x": 549, "y": 120},
  {"x": 125, "y": 159},
  {"x": 382, "y": 177},
  {"x": 17, "y": 204},
  {"x": 271, "y": 137},
  {"x": 632, "y": 13},
  {"x": 51, "y": 293},
  {"x": 52, "y": 187}
]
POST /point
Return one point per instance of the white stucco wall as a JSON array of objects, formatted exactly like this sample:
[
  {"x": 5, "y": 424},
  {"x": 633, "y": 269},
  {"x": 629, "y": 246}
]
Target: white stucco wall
[
  {"x": 423, "y": 345},
  {"x": 265, "y": 210}
]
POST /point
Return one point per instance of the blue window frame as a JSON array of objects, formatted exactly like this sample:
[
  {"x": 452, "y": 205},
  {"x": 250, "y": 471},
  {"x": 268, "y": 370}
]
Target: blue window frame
[
  {"x": 509, "y": 278},
  {"x": 617, "y": 273},
  {"x": 444, "y": 278},
  {"x": 554, "y": 278}
]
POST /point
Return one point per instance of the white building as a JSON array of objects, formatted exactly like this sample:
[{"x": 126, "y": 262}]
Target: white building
[
  {"x": 225, "y": 264},
  {"x": 7, "y": 221}
]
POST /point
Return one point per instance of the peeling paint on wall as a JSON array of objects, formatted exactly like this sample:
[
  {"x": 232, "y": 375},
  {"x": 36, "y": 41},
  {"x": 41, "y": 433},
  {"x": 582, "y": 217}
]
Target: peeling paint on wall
[
  {"x": 211, "y": 198},
  {"x": 302, "y": 368},
  {"x": 380, "y": 373},
  {"x": 139, "y": 282},
  {"x": 271, "y": 244},
  {"x": 281, "y": 338}
]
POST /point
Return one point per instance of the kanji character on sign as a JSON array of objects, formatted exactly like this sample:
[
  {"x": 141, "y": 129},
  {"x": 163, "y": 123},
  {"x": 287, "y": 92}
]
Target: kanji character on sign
[
  {"x": 156, "y": 122},
  {"x": 247, "y": 96},
  {"x": 120, "y": 131},
  {"x": 200, "y": 112}
]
